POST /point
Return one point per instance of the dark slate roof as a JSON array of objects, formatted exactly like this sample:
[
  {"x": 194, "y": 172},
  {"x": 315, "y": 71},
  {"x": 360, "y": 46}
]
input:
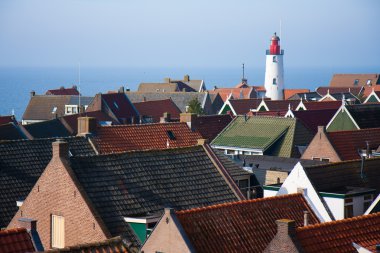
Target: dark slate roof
[
  {"x": 137, "y": 183},
  {"x": 157, "y": 108},
  {"x": 233, "y": 169},
  {"x": 345, "y": 174},
  {"x": 41, "y": 107},
  {"x": 63, "y": 91},
  {"x": 7, "y": 119},
  {"x": 365, "y": 115},
  {"x": 21, "y": 164},
  {"x": 74, "y": 100},
  {"x": 323, "y": 90},
  {"x": 181, "y": 99},
  {"x": 314, "y": 118},
  {"x": 281, "y": 105},
  {"x": 47, "y": 129},
  {"x": 323, "y": 105},
  {"x": 209, "y": 126},
  {"x": 309, "y": 96},
  {"x": 11, "y": 131},
  {"x": 120, "y": 105},
  {"x": 345, "y": 95},
  {"x": 243, "y": 106}
]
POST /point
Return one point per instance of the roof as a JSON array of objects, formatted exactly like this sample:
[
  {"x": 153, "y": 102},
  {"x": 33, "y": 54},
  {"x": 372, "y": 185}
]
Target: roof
[
  {"x": 181, "y": 99},
  {"x": 323, "y": 90},
  {"x": 233, "y": 169},
  {"x": 137, "y": 183},
  {"x": 45, "y": 107},
  {"x": 21, "y": 164},
  {"x": 268, "y": 113},
  {"x": 75, "y": 100},
  {"x": 243, "y": 106},
  {"x": 11, "y": 131},
  {"x": 113, "y": 139},
  {"x": 71, "y": 121},
  {"x": 314, "y": 118},
  {"x": 16, "y": 240},
  {"x": 63, "y": 91},
  {"x": 274, "y": 136},
  {"x": 281, "y": 105},
  {"x": 209, "y": 126},
  {"x": 291, "y": 92},
  {"x": 7, "y": 119},
  {"x": 365, "y": 115},
  {"x": 158, "y": 87},
  {"x": 312, "y": 105},
  {"x": 308, "y": 96},
  {"x": 112, "y": 245},
  {"x": 345, "y": 95},
  {"x": 156, "y": 109},
  {"x": 347, "y": 143},
  {"x": 237, "y": 93},
  {"x": 345, "y": 80},
  {"x": 244, "y": 226},
  {"x": 120, "y": 105},
  {"x": 47, "y": 129},
  {"x": 338, "y": 236},
  {"x": 345, "y": 174}
]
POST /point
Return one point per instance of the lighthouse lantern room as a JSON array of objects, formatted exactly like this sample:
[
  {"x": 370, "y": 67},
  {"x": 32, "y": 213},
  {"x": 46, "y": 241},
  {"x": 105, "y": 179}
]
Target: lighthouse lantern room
[{"x": 274, "y": 70}]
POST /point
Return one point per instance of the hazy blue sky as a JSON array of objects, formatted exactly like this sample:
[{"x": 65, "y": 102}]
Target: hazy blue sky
[{"x": 193, "y": 33}]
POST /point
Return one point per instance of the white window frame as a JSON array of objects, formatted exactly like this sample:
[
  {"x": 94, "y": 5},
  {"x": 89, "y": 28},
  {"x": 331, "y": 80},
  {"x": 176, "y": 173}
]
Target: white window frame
[{"x": 57, "y": 231}]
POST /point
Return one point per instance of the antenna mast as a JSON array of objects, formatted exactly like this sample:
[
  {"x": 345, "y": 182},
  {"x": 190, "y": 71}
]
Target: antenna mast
[
  {"x": 243, "y": 70},
  {"x": 79, "y": 107}
]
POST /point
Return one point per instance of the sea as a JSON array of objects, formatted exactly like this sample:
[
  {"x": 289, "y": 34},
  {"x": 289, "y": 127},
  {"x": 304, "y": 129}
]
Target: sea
[{"x": 16, "y": 83}]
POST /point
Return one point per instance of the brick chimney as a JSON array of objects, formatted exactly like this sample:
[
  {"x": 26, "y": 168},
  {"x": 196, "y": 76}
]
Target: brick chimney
[
  {"x": 285, "y": 239},
  {"x": 165, "y": 118},
  {"x": 189, "y": 118},
  {"x": 121, "y": 89},
  {"x": 60, "y": 149},
  {"x": 32, "y": 93},
  {"x": 186, "y": 78},
  {"x": 286, "y": 227},
  {"x": 202, "y": 141},
  {"x": 29, "y": 224},
  {"x": 86, "y": 126}
]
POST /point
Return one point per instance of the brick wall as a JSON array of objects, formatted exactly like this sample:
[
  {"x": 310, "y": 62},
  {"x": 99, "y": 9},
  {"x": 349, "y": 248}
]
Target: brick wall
[
  {"x": 321, "y": 147},
  {"x": 56, "y": 193},
  {"x": 284, "y": 241},
  {"x": 272, "y": 176}
]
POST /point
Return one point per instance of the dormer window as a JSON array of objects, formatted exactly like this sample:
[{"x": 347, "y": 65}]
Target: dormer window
[
  {"x": 356, "y": 82},
  {"x": 369, "y": 82},
  {"x": 54, "y": 109},
  {"x": 274, "y": 80}
]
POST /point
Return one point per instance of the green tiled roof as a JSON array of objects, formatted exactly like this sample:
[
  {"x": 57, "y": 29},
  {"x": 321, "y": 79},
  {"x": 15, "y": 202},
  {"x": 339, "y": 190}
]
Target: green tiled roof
[{"x": 275, "y": 136}]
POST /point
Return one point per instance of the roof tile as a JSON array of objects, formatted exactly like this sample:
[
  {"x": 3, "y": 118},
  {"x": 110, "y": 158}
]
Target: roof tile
[
  {"x": 16, "y": 240},
  {"x": 157, "y": 108}
]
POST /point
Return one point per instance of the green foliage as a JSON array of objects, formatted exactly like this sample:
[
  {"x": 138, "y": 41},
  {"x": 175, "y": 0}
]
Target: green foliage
[{"x": 195, "y": 107}]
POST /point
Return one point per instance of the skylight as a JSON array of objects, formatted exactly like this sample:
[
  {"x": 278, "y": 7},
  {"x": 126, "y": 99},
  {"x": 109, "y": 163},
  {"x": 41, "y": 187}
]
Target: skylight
[
  {"x": 170, "y": 135},
  {"x": 116, "y": 105}
]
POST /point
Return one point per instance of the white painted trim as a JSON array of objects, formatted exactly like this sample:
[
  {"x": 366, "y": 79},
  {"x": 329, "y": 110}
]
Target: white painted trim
[
  {"x": 142, "y": 220},
  {"x": 237, "y": 149},
  {"x": 327, "y": 96},
  {"x": 342, "y": 108},
  {"x": 289, "y": 114},
  {"x": 228, "y": 103},
  {"x": 360, "y": 249},
  {"x": 262, "y": 103},
  {"x": 205, "y": 99},
  {"x": 301, "y": 104},
  {"x": 374, "y": 202},
  {"x": 371, "y": 94}
]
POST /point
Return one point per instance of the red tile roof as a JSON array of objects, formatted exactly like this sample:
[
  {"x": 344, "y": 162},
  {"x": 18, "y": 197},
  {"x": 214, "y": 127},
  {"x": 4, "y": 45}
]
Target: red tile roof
[
  {"x": 347, "y": 143},
  {"x": 259, "y": 88},
  {"x": 243, "y": 106},
  {"x": 237, "y": 93},
  {"x": 157, "y": 108},
  {"x": 338, "y": 236},
  {"x": 314, "y": 118},
  {"x": 312, "y": 105},
  {"x": 290, "y": 92},
  {"x": 281, "y": 105},
  {"x": 113, "y": 139},
  {"x": 324, "y": 89},
  {"x": 345, "y": 80},
  {"x": 63, "y": 91},
  {"x": 244, "y": 226},
  {"x": 16, "y": 240},
  {"x": 209, "y": 126}
]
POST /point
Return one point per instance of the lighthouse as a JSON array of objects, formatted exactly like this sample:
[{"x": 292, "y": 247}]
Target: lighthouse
[{"x": 274, "y": 70}]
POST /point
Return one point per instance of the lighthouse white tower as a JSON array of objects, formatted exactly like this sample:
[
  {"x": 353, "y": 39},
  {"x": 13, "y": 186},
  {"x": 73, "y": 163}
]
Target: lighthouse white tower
[{"x": 274, "y": 70}]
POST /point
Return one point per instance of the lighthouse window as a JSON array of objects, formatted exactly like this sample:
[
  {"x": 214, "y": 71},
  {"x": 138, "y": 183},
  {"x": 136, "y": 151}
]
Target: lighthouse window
[
  {"x": 356, "y": 82},
  {"x": 274, "y": 81},
  {"x": 274, "y": 59}
]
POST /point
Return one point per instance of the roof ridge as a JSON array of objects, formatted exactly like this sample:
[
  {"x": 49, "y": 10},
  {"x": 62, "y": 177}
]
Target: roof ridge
[
  {"x": 240, "y": 202},
  {"x": 354, "y": 131},
  {"x": 347, "y": 220},
  {"x": 12, "y": 231},
  {"x": 41, "y": 139},
  {"x": 145, "y": 124},
  {"x": 338, "y": 163}
]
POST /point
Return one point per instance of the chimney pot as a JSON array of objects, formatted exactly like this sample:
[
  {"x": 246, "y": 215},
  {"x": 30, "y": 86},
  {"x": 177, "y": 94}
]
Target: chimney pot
[
  {"x": 86, "y": 126},
  {"x": 29, "y": 224},
  {"x": 186, "y": 78},
  {"x": 32, "y": 93},
  {"x": 121, "y": 89}
]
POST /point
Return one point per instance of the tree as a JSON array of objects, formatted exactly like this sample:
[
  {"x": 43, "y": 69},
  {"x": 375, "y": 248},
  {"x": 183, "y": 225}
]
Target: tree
[{"x": 195, "y": 107}]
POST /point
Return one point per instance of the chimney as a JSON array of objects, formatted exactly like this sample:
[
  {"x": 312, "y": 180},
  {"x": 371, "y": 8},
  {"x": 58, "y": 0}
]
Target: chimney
[
  {"x": 305, "y": 218},
  {"x": 189, "y": 118},
  {"x": 121, "y": 89},
  {"x": 166, "y": 80},
  {"x": 29, "y": 224},
  {"x": 86, "y": 126},
  {"x": 368, "y": 151},
  {"x": 32, "y": 93},
  {"x": 61, "y": 149},
  {"x": 186, "y": 78},
  {"x": 286, "y": 227},
  {"x": 321, "y": 131},
  {"x": 165, "y": 118}
]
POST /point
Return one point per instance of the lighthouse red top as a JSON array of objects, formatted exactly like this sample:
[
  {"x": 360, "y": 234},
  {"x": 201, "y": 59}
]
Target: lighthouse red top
[{"x": 275, "y": 45}]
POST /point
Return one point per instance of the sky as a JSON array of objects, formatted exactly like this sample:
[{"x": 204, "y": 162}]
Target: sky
[{"x": 196, "y": 33}]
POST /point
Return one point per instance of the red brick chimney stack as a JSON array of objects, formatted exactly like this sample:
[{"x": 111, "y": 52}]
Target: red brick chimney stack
[{"x": 61, "y": 149}]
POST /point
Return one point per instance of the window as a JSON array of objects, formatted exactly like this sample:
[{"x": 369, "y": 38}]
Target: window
[
  {"x": 325, "y": 159},
  {"x": 356, "y": 82},
  {"x": 369, "y": 82},
  {"x": 170, "y": 135},
  {"x": 57, "y": 231},
  {"x": 348, "y": 208},
  {"x": 274, "y": 58},
  {"x": 274, "y": 81},
  {"x": 316, "y": 158},
  {"x": 54, "y": 109}
]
